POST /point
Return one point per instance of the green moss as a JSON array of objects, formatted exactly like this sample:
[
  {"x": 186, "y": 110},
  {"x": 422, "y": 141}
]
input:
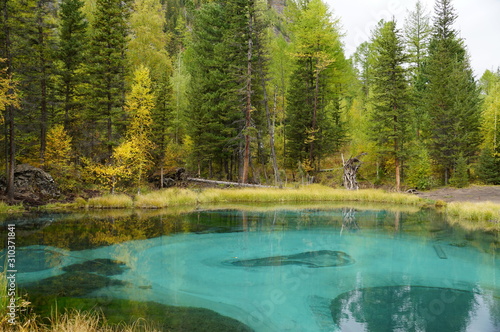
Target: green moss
[
  {"x": 167, "y": 318},
  {"x": 102, "y": 266},
  {"x": 71, "y": 284}
]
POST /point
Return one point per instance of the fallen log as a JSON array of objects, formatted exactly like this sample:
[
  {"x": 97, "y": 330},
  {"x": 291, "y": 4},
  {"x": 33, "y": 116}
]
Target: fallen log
[{"x": 226, "y": 183}]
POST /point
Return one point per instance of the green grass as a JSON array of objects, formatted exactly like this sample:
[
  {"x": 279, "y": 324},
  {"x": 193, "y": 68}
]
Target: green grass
[
  {"x": 117, "y": 201},
  {"x": 484, "y": 216},
  {"x": 6, "y": 208}
]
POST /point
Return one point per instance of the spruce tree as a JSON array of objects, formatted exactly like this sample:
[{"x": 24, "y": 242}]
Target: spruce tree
[
  {"x": 390, "y": 116},
  {"x": 107, "y": 72},
  {"x": 214, "y": 115},
  {"x": 72, "y": 53},
  {"x": 314, "y": 126},
  {"x": 489, "y": 167},
  {"x": 451, "y": 94}
]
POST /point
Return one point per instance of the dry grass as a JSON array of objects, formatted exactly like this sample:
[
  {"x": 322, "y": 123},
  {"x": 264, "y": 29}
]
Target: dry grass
[
  {"x": 118, "y": 201},
  {"x": 166, "y": 198},
  {"x": 77, "y": 321},
  {"x": 311, "y": 193},
  {"x": 484, "y": 216}
]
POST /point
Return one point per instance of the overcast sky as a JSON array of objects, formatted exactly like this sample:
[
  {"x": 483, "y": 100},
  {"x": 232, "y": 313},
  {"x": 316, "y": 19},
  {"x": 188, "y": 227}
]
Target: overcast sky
[{"x": 478, "y": 22}]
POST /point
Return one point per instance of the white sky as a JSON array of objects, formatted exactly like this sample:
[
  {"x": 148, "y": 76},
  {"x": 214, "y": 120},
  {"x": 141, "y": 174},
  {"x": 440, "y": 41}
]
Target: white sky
[{"x": 478, "y": 22}]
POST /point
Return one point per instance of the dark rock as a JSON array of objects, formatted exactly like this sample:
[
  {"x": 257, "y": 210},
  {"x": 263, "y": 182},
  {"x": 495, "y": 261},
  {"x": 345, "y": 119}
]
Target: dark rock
[
  {"x": 171, "y": 177},
  {"x": 32, "y": 185},
  {"x": 314, "y": 259}
]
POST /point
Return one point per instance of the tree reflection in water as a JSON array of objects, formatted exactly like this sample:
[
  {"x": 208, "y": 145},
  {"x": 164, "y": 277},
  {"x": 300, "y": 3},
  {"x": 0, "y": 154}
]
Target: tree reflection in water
[{"x": 405, "y": 308}]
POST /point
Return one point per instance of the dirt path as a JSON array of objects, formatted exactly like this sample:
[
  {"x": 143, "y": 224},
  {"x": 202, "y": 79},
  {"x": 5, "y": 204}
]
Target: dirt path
[{"x": 470, "y": 194}]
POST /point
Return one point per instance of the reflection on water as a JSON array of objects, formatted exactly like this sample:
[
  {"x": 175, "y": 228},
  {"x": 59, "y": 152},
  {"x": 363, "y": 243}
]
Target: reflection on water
[
  {"x": 276, "y": 269},
  {"x": 410, "y": 308}
]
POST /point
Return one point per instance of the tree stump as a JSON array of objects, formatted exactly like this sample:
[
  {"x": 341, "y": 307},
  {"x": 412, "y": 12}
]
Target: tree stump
[{"x": 351, "y": 167}]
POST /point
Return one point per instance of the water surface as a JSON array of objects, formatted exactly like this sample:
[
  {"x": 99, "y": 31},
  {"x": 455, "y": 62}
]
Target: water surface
[{"x": 301, "y": 269}]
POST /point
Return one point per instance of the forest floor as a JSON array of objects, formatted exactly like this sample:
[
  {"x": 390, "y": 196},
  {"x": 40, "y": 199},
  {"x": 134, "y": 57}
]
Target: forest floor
[{"x": 469, "y": 194}]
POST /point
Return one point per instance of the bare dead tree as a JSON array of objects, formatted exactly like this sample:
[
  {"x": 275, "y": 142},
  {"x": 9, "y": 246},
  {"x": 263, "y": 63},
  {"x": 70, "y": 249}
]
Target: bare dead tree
[{"x": 351, "y": 167}]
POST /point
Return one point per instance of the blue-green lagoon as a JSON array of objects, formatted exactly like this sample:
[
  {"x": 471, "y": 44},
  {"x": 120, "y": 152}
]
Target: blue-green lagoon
[{"x": 309, "y": 268}]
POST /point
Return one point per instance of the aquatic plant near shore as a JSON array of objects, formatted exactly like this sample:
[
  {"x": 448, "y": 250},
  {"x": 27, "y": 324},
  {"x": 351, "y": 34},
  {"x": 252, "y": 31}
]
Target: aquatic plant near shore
[
  {"x": 474, "y": 215},
  {"x": 111, "y": 201},
  {"x": 311, "y": 193},
  {"x": 166, "y": 198}
]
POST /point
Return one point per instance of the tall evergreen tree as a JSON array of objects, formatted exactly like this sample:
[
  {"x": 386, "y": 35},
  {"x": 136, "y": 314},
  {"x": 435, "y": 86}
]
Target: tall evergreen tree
[
  {"x": 390, "y": 117},
  {"x": 417, "y": 32},
  {"x": 451, "y": 94},
  {"x": 314, "y": 125},
  {"x": 224, "y": 60},
  {"x": 107, "y": 65},
  {"x": 213, "y": 116},
  {"x": 72, "y": 53}
]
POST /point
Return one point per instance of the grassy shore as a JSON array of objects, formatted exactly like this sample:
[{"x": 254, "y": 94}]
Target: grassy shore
[
  {"x": 312, "y": 193},
  {"x": 474, "y": 216}
]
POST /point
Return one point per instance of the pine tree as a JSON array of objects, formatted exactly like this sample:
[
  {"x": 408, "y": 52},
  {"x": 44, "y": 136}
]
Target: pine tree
[
  {"x": 107, "y": 65},
  {"x": 391, "y": 117}
]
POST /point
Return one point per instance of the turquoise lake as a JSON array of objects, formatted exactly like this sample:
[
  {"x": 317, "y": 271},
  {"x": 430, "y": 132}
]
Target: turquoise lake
[{"x": 358, "y": 268}]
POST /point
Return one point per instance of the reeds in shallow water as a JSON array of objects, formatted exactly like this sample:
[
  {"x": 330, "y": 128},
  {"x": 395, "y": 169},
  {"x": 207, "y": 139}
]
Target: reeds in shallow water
[
  {"x": 312, "y": 193},
  {"x": 110, "y": 201},
  {"x": 166, "y": 198},
  {"x": 474, "y": 215}
]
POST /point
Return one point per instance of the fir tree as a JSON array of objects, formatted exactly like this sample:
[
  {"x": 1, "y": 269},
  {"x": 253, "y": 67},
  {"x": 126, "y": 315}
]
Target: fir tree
[
  {"x": 314, "y": 127},
  {"x": 107, "y": 66},
  {"x": 451, "y": 94},
  {"x": 391, "y": 117},
  {"x": 72, "y": 53},
  {"x": 489, "y": 167}
]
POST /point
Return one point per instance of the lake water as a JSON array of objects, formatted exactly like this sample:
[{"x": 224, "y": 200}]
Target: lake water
[{"x": 279, "y": 269}]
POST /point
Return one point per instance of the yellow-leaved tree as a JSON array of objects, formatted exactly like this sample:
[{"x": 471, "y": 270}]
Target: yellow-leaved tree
[
  {"x": 135, "y": 152},
  {"x": 58, "y": 153},
  {"x": 132, "y": 158}
]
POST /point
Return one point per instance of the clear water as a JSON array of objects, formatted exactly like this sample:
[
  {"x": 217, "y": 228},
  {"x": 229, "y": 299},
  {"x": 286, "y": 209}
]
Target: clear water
[{"x": 295, "y": 270}]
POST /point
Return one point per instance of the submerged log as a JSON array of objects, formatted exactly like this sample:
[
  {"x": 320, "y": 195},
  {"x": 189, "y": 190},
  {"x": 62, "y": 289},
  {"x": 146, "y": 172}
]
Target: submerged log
[
  {"x": 351, "y": 167},
  {"x": 226, "y": 183}
]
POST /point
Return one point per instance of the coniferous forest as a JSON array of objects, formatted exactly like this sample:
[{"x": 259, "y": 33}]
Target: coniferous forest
[{"x": 103, "y": 93}]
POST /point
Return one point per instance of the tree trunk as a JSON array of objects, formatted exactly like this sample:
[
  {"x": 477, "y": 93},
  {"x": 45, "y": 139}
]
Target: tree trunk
[
  {"x": 351, "y": 167},
  {"x": 248, "y": 97},
  {"x": 398, "y": 174},
  {"x": 10, "y": 111},
  {"x": 270, "y": 125},
  {"x": 43, "y": 88}
]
